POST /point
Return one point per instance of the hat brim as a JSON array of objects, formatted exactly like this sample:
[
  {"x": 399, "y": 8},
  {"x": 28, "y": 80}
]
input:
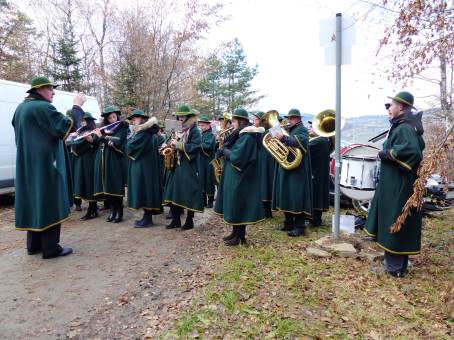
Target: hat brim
[
  {"x": 399, "y": 100},
  {"x": 42, "y": 85},
  {"x": 106, "y": 114},
  {"x": 137, "y": 115}
]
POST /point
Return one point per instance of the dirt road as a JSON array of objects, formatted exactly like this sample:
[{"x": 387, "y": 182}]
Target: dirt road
[{"x": 120, "y": 282}]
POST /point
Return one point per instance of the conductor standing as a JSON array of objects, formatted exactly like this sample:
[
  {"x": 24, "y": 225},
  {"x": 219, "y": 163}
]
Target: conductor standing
[{"x": 43, "y": 184}]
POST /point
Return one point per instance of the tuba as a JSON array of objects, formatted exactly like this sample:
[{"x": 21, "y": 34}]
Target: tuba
[
  {"x": 218, "y": 163},
  {"x": 324, "y": 125},
  {"x": 288, "y": 157}
]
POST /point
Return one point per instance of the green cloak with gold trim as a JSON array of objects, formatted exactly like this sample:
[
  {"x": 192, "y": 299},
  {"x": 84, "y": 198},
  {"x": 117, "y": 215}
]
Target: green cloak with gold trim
[
  {"x": 43, "y": 180},
  {"x": 267, "y": 166},
  {"x": 144, "y": 170},
  {"x": 320, "y": 150},
  {"x": 397, "y": 176},
  {"x": 111, "y": 163},
  {"x": 292, "y": 189},
  {"x": 84, "y": 169},
  {"x": 183, "y": 187},
  {"x": 239, "y": 197},
  {"x": 206, "y": 170}
]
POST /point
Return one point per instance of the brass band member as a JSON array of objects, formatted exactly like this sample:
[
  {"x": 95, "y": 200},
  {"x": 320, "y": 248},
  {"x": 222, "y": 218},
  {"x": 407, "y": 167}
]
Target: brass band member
[
  {"x": 43, "y": 190},
  {"x": 111, "y": 163},
  {"x": 84, "y": 151},
  {"x": 400, "y": 157},
  {"x": 238, "y": 199},
  {"x": 183, "y": 188},
  {"x": 206, "y": 156},
  {"x": 144, "y": 167},
  {"x": 292, "y": 192},
  {"x": 320, "y": 149},
  {"x": 267, "y": 165}
]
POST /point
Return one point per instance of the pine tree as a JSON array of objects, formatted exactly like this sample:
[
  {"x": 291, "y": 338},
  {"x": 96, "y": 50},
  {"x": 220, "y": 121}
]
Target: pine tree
[
  {"x": 65, "y": 62},
  {"x": 226, "y": 81}
]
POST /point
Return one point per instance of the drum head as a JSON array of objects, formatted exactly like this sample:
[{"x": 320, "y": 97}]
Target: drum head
[{"x": 359, "y": 152}]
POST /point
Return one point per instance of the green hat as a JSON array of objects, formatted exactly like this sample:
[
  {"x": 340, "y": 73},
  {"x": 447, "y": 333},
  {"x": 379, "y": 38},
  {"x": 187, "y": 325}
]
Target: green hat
[
  {"x": 88, "y": 116},
  {"x": 38, "y": 82},
  {"x": 137, "y": 113},
  {"x": 204, "y": 119},
  {"x": 240, "y": 113},
  {"x": 110, "y": 109},
  {"x": 185, "y": 110},
  {"x": 404, "y": 97},
  {"x": 294, "y": 113},
  {"x": 259, "y": 114}
]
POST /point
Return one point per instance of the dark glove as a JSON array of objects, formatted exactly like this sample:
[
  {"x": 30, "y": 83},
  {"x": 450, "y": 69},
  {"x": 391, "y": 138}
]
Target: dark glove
[
  {"x": 384, "y": 155},
  {"x": 226, "y": 153}
]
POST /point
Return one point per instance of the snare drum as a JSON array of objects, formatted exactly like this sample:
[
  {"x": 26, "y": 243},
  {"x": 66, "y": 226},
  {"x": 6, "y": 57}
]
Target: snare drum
[{"x": 359, "y": 172}]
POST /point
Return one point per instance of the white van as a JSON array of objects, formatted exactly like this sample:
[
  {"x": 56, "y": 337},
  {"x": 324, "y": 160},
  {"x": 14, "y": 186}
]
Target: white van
[{"x": 11, "y": 95}]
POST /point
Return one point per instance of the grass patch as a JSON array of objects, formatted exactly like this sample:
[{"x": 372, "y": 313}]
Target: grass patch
[{"x": 273, "y": 290}]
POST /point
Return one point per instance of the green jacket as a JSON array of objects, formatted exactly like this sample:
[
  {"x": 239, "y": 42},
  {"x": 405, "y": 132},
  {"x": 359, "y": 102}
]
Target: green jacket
[
  {"x": 183, "y": 187},
  {"x": 267, "y": 166},
  {"x": 403, "y": 153},
  {"x": 206, "y": 170},
  {"x": 144, "y": 171},
  {"x": 292, "y": 189},
  {"x": 43, "y": 179},
  {"x": 320, "y": 150},
  {"x": 239, "y": 196},
  {"x": 111, "y": 163},
  {"x": 84, "y": 169}
]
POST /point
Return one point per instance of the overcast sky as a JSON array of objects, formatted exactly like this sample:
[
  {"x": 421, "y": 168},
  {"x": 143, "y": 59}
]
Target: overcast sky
[{"x": 282, "y": 37}]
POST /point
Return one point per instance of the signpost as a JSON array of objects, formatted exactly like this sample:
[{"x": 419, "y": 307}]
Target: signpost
[{"x": 337, "y": 36}]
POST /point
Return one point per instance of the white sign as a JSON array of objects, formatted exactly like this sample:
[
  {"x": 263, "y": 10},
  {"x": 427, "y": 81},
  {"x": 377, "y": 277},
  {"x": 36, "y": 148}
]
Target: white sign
[
  {"x": 346, "y": 224},
  {"x": 328, "y": 39}
]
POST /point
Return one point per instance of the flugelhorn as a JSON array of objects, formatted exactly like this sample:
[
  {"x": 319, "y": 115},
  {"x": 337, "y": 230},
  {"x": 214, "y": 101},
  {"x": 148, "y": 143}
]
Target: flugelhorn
[
  {"x": 288, "y": 157},
  {"x": 218, "y": 163}
]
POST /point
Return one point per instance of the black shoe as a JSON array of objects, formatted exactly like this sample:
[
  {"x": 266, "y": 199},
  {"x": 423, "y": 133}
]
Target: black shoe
[
  {"x": 268, "y": 214},
  {"x": 173, "y": 225},
  {"x": 119, "y": 216},
  {"x": 229, "y": 237},
  {"x": 147, "y": 221},
  {"x": 33, "y": 252},
  {"x": 235, "y": 241},
  {"x": 112, "y": 215},
  {"x": 62, "y": 252},
  {"x": 87, "y": 216},
  {"x": 297, "y": 232},
  {"x": 189, "y": 224}
]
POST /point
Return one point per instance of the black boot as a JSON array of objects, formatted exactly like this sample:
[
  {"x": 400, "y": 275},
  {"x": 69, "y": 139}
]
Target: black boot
[
  {"x": 92, "y": 212},
  {"x": 300, "y": 227},
  {"x": 239, "y": 238},
  {"x": 288, "y": 222},
  {"x": 176, "y": 218},
  {"x": 146, "y": 221},
  {"x": 232, "y": 235},
  {"x": 210, "y": 201},
  {"x": 317, "y": 218},
  {"x": 267, "y": 208},
  {"x": 119, "y": 209},
  {"x": 113, "y": 213},
  {"x": 189, "y": 223},
  {"x": 78, "y": 203}
]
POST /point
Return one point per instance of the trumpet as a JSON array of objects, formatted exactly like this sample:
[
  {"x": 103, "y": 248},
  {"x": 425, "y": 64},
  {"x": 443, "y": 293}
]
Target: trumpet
[{"x": 288, "y": 157}]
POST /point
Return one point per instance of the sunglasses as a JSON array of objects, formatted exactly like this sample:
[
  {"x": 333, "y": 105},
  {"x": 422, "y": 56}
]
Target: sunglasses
[{"x": 387, "y": 106}]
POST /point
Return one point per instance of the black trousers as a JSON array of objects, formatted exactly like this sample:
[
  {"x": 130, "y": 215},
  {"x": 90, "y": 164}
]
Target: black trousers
[
  {"x": 45, "y": 241},
  {"x": 396, "y": 263},
  {"x": 294, "y": 220}
]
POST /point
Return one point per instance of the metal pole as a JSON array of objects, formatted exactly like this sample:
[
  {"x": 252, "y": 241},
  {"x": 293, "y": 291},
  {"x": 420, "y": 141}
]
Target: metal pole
[{"x": 338, "y": 124}]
